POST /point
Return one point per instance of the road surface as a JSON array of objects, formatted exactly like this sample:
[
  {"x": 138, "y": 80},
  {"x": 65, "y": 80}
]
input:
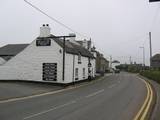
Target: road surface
[{"x": 116, "y": 97}]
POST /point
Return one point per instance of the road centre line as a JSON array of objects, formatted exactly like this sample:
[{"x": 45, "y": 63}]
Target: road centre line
[
  {"x": 64, "y": 105},
  {"x": 95, "y": 93},
  {"x": 46, "y": 111}
]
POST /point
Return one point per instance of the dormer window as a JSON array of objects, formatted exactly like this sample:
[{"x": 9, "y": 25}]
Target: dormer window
[{"x": 79, "y": 58}]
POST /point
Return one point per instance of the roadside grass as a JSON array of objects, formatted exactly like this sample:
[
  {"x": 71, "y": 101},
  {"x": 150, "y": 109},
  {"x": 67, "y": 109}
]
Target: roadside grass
[{"x": 151, "y": 74}]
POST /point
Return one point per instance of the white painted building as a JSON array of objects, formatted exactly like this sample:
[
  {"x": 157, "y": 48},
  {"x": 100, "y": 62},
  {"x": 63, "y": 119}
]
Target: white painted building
[
  {"x": 42, "y": 60},
  {"x": 115, "y": 63}
]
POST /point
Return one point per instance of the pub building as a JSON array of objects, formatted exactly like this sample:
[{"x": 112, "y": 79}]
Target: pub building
[{"x": 58, "y": 59}]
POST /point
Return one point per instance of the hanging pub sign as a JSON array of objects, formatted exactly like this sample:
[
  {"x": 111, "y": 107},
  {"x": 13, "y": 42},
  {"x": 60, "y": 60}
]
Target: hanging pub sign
[
  {"x": 154, "y": 0},
  {"x": 43, "y": 42}
]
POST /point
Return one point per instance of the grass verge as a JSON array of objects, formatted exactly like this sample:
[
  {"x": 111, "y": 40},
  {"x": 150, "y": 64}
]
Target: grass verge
[{"x": 151, "y": 74}]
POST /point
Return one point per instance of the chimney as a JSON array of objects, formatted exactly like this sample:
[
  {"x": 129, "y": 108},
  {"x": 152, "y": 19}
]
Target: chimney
[
  {"x": 45, "y": 30},
  {"x": 89, "y": 45},
  {"x": 85, "y": 44}
]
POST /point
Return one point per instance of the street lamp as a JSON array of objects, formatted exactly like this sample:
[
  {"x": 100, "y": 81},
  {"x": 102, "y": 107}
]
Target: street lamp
[{"x": 143, "y": 55}]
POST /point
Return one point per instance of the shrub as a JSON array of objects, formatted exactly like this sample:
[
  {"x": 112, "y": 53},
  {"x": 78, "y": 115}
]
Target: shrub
[{"x": 151, "y": 74}]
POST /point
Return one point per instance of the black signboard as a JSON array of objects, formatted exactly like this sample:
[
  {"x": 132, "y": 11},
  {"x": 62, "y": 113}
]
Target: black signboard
[
  {"x": 43, "y": 42},
  {"x": 154, "y": 0},
  {"x": 50, "y": 71}
]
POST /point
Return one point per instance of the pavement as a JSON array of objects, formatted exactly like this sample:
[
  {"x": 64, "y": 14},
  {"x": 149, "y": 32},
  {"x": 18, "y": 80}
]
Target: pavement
[
  {"x": 115, "y": 97},
  {"x": 10, "y": 90}
]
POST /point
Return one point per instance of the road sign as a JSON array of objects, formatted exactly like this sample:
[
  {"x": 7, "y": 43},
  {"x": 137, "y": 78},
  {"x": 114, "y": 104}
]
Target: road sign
[{"x": 154, "y": 0}]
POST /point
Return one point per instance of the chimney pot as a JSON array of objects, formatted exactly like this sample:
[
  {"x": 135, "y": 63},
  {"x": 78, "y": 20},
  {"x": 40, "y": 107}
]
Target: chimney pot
[{"x": 45, "y": 30}]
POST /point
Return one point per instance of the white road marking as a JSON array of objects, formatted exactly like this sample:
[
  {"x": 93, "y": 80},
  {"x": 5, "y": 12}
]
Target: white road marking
[
  {"x": 112, "y": 86},
  {"x": 95, "y": 93},
  {"x": 46, "y": 111}
]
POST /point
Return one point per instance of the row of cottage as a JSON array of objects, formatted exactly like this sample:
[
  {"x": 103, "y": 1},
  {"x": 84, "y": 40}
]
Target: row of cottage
[{"x": 60, "y": 59}]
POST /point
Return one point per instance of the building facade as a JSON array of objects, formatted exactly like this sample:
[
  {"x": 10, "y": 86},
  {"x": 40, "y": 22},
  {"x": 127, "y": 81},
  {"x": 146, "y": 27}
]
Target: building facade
[
  {"x": 102, "y": 64},
  {"x": 43, "y": 60},
  {"x": 11, "y": 50},
  {"x": 155, "y": 61}
]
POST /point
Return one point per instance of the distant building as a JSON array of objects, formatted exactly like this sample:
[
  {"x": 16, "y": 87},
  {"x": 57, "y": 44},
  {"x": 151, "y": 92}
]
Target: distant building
[
  {"x": 155, "y": 61},
  {"x": 102, "y": 64},
  {"x": 115, "y": 63},
  {"x": 86, "y": 44},
  {"x": 43, "y": 60},
  {"x": 11, "y": 50}
]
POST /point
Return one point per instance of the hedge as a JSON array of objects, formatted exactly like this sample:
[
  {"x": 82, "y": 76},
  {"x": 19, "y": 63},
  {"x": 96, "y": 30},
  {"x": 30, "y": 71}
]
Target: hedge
[{"x": 151, "y": 74}]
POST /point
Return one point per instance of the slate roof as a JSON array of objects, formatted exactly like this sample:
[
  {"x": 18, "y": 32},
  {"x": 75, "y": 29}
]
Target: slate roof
[
  {"x": 80, "y": 42},
  {"x": 12, "y": 49},
  {"x": 156, "y": 57},
  {"x": 74, "y": 48}
]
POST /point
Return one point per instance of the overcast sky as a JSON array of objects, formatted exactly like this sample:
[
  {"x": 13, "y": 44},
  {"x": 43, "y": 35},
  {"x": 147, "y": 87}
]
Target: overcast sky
[{"x": 117, "y": 27}]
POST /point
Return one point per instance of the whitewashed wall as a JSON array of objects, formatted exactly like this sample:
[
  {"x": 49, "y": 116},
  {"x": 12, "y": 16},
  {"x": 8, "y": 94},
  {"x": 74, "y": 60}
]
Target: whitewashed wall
[
  {"x": 84, "y": 64},
  {"x": 93, "y": 62},
  {"x": 69, "y": 72},
  {"x": 27, "y": 65},
  {"x": 68, "y": 68}
]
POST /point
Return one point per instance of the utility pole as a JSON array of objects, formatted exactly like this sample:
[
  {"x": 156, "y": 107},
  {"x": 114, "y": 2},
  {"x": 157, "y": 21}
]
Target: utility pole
[
  {"x": 150, "y": 44},
  {"x": 130, "y": 60},
  {"x": 64, "y": 50},
  {"x": 110, "y": 62}
]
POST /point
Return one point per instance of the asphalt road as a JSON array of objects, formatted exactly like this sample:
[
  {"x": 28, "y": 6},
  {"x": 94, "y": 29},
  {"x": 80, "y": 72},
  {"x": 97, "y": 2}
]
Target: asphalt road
[{"x": 117, "y": 97}]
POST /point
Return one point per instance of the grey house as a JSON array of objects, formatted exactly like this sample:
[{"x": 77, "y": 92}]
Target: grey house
[
  {"x": 155, "y": 61},
  {"x": 11, "y": 50}
]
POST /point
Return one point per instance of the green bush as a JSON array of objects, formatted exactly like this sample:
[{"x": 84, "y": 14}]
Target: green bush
[
  {"x": 133, "y": 69},
  {"x": 151, "y": 74}
]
